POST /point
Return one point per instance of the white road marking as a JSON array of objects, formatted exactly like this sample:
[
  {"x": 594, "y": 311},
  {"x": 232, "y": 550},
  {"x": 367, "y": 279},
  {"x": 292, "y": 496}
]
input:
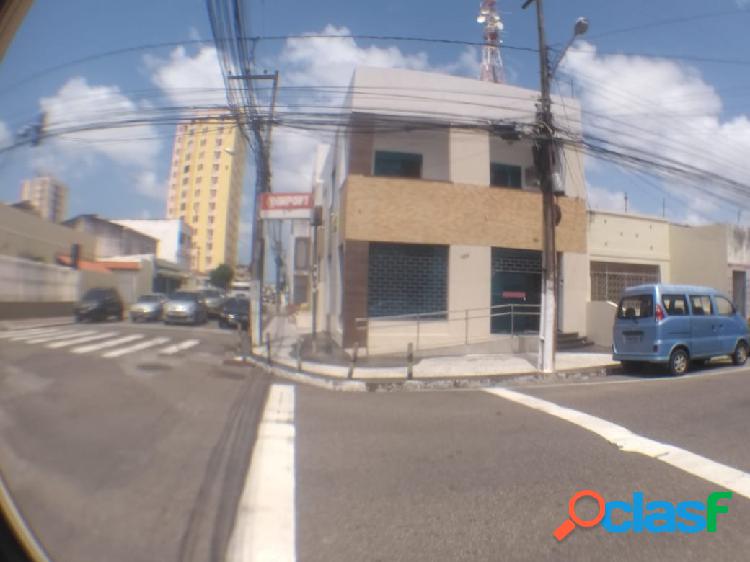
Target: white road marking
[
  {"x": 68, "y": 335},
  {"x": 106, "y": 344},
  {"x": 49, "y": 332},
  {"x": 722, "y": 475},
  {"x": 172, "y": 349},
  {"x": 83, "y": 339},
  {"x": 264, "y": 529},
  {"x": 137, "y": 347}
]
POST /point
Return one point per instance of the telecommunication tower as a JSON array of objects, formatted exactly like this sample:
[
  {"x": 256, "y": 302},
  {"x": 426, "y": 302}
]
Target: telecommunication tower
[{"x": 492, "y": 64}]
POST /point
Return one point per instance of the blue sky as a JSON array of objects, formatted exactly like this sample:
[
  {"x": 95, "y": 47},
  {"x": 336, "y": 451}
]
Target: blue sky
[{"x": 122, "y": 174}]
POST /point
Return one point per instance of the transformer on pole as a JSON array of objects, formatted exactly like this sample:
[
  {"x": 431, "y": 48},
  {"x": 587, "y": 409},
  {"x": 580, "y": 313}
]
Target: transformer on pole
[{"x": 492, "y": 64}]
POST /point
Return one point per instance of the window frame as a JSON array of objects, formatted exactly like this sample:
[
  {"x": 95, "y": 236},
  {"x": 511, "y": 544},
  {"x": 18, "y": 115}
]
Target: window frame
[
  {"x": 701, "y": 296},
  {"x": 733, "y": 308},
  {"x": 508, "y": 169},
  {"x": 382, "y": 158},
  {"x": 675, "y": 296}
]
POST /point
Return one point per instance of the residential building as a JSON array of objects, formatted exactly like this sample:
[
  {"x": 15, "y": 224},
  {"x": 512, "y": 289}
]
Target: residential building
[
  {"x": 113, "y": 239},
  {"x": 432, "y": 216},
  {"x": 174, "y": 236},
  {"x": 24, "y": 234},
  {"x": 630, "y": 249},
  {"x": 47, "y": 195},
  {"x": 205, "y": 188}
]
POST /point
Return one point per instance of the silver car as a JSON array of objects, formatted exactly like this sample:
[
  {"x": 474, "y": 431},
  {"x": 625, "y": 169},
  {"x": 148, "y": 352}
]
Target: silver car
[
  {"x": 185, "y": 307},
  {"x": 148, "y": 307},
  {"x": 214, "y": 301}
]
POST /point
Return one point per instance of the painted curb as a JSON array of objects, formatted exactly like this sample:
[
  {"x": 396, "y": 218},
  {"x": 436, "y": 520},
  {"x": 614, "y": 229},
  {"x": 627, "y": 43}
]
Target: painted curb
[{"x": 466, "y": 382}]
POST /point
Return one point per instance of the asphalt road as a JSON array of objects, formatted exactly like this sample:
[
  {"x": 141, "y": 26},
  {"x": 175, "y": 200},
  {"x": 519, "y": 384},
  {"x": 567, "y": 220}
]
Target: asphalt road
[
  {"x": 137, "y": 457},
  {"x": 136, "y": 451},
  {"x": 472, "y": 476}
]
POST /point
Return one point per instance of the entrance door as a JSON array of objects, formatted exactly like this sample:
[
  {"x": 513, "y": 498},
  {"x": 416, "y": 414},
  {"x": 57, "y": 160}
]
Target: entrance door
[
  {"x": 739, "y": 283},
  {"x": 517, "y": 280}
]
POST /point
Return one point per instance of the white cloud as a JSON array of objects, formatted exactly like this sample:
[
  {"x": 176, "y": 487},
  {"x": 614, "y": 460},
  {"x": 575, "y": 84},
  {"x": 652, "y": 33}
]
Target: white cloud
[
  {"x": 147, "y": 183},
  {"x": 189, "y": 80},
  {"x": 6, "y": 137},
  {"x": 86, "y": 120},
  {"x": 325, "y": 61},
  {"x": 603, "y": 199},
  {"x": 666, "y": 110}
]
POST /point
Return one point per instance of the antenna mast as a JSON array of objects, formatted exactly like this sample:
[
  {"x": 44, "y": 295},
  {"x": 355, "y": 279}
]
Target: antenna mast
[{"x": 492, "y": 64}]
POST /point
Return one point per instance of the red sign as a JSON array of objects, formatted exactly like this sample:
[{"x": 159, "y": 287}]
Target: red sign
[
  {"x": 286, "y": 205},
  {"x": 514, "y": 295}
]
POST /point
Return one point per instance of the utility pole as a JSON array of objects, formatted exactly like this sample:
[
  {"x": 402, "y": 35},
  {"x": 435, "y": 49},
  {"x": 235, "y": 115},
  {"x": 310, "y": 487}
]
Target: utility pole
[{"x": 544, "y": 158}]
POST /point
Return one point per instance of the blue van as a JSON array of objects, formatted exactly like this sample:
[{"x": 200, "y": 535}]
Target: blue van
[{"x": 677, "y": 324}]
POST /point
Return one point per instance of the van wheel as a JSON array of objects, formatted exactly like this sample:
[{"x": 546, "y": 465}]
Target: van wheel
[
  {"x": 679, "y": 362},
  {"x": 740, "y": 354}
]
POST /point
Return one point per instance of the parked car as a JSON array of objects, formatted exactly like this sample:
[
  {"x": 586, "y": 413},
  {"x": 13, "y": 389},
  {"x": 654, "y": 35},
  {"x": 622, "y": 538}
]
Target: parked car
[
  {"x": 677, "y": 324},
  {"x": 214, "y": 301},
  {"x": 99, "y": 304},
  {"x": 148, "y": 307},
  {"x": 235, "y": 312},
  {"x": 185, "y": 307}
]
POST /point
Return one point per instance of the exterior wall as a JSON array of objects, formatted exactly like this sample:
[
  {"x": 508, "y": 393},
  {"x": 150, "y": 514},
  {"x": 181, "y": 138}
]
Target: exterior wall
[
  {"x": 402, "y": 210},
  {"x": 173, "y": 235},
  {"x": 113, "y": 239},
  {"x": 574, "y": 292},
  {"x": 433, "y": 145},
  {"x": 699, "y": 256},
  {"x": 24, "y": 234},
  {"x": 48, "y": 196},
  {"x": 206, "y": 188},
  {"x": 600, "y": 319},
  {"x": 517, "y": 153},
  {"x": 27, "y": 281},
  {"x": 469, "y": 157}
]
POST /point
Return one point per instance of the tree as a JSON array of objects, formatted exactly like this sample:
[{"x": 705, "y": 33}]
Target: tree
[{"x": 221, "y": 276}]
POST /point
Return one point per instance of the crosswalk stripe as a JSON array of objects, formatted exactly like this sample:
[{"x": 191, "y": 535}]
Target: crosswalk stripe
[
  {"x": 48, "y": 332},
  {"x": 84, "y": 339},
  {"x": 136, "y": 347},
  {"x": 172, "y": 349},
  {"x": 23, "y": 332},
  {"x": 106, "y": 344},
  {"x": 67, "y": 335}
]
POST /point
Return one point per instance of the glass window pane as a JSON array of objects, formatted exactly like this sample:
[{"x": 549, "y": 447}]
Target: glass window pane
[{"x": 398, "y": 164}]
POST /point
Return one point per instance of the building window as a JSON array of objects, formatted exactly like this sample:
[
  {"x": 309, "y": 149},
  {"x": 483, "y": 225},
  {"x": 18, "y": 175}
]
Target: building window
[
  {"x": 213, "y": 193},
  {"x": 407, "y": 279},
  {"x": 505, "y": 175},
  {"x": 201, "y": 155},
  {"x": 190, "y": 142},
  {"x": 301, "y": 253},
  {"x": 186, "y": 169},
  {"x": 182, "y": 206},
  {"x": 199, "y": 179},
  {"x": 209, "y": 234},
  {"x": 217, "y": 154},
  {"x": 218, "y": 142},
  {"x": 208, "y": 260},
  {"x": 398, "y": 164},
  {"x": 214, "y": 180},
  {"x": 210, "y": 220},
  {"x": 609, "y": 280},
  {"x": 216, "y": 167},
  {"x": 184, "y": 193},
  {"x": 195, "y": 219},
  {"x": 203, "y": 142},
  {"x": 196, "y": 206},
  {"x": 184, "y": 181},
  {"x": 197, "y": 193},
  {"x": 212, "y": 206},
  {"x": 200, "y": 167},
  {"x": 220, "y": 130},
  {"x": 192, "y": 130},
  {"x": 209, "y": 247}
]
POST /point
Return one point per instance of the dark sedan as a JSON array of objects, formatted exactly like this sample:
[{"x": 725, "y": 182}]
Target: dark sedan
[
  {"x": 99, "y": 304},
  {"x": 235, "y": 312}
]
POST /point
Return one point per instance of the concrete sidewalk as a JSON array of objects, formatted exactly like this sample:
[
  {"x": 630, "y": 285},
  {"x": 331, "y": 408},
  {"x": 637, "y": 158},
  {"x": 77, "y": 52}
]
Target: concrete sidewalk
[
  {"x": 284, "y": 335},
  {"x": 31, "y": 323}
]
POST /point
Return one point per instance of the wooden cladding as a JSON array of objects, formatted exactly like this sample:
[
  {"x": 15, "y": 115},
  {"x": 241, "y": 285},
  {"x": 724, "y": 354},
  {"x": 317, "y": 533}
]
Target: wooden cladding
[{"x": 430, "y": 212}]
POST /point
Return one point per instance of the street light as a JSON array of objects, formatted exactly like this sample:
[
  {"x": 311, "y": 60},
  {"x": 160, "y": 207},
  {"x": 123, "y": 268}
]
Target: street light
[{"x": 580, "y": 28}]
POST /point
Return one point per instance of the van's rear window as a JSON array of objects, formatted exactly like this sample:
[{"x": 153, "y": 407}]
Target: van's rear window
[{"x": 636, "y": 306}]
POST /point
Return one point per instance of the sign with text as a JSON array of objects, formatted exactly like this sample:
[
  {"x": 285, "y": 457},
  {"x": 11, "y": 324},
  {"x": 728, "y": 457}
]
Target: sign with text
[{"x": 286, "y": 205}]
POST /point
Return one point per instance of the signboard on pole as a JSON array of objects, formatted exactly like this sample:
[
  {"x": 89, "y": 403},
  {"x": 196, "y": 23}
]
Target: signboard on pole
[{"x": 286, "y": 205}]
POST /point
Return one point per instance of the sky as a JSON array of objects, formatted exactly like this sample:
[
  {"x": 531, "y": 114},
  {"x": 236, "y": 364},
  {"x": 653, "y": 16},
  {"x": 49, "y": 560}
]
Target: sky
[{"x": 668, "y": 77}]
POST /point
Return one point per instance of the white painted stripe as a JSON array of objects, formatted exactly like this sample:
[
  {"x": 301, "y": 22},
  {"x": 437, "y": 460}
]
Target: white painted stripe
[
  {"x": 137, "y": 347},
  {"x": 172, "y": 349},
  {"x": 25, "y": 332},
  {"x": 67, "y": 335},
  {"x": 77, "y": 340},
  {"x": 49, "y": 332},
  {"x": 264, "y": 528},
  {"x": 106, "y": 344},
  {"x": 722, "y": 475}
]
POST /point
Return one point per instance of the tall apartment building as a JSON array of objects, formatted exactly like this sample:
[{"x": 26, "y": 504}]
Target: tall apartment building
[
  {"x": 205, "y": 188},
  {"x": 47, "y": 195}
]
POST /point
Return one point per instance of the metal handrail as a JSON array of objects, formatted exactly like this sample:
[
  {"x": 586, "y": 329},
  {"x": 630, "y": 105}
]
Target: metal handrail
[{"x": 447, "y": 313}]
